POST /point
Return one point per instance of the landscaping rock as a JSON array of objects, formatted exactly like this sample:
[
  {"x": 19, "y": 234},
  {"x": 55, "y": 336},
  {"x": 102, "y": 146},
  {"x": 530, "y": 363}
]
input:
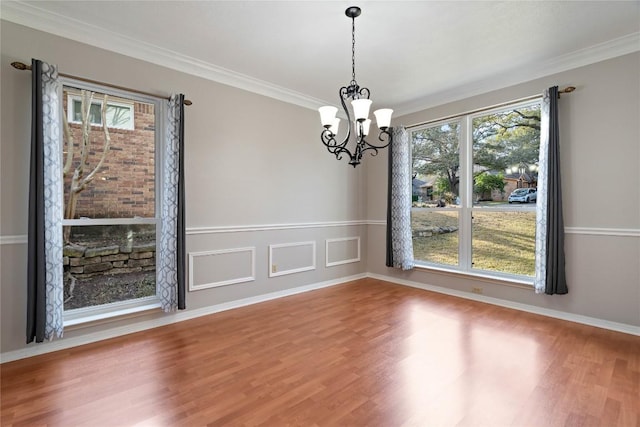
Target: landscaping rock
[
  {"x": 141, "y": 262},
  {"x": 96, "y": 268},
  {"x": 145, "y": 247},
  {"x": 74, "y": 262},
  {"x": 430, "y": 231},
  {"x": 118, "y": 257},
  {"x": 141, "y": 255},
  {"x": 72, "y": 250},
  {"x": 108, "y": 250}
]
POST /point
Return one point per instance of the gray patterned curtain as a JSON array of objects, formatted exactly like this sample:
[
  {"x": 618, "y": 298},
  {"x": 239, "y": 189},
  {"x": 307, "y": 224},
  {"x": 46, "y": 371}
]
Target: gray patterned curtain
[
  {"x": 399, "y": 239},
  {"x": 171, "y": 258},
  {"x": 45, "y": 304},
  {"x": 550, "y": 275}
]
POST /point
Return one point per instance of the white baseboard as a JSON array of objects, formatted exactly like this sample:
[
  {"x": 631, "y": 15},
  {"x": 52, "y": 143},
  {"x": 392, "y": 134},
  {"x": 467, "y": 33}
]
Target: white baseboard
[
  {"x": 42, "y": 348},
  {"x": 48, "y": 347},
  {"x": 577, "y": 318}
]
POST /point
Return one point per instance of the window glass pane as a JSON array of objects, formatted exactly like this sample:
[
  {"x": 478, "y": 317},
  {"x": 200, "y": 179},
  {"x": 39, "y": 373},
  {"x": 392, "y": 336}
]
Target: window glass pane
[
  {"x": 435, "y": 235},
  {"x": 95, "y": 114},
  {"x": 436, "y": 164},
  {"x": 504, "y": 242},
  {"x": 114, "y": 181},
  {"x": 109, "y": 263},
  {"x": 505, "y": 153},
  {"x": 119, "y": 116},
  {"x": 505, "y": 171}
]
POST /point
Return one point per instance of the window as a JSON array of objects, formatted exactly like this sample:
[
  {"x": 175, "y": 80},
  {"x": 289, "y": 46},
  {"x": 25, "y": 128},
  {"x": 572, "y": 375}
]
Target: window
[
  {"x": 111, "y": 216},
  {"x": 119, "y": 112},
  {"x": 474, "y": 204}
]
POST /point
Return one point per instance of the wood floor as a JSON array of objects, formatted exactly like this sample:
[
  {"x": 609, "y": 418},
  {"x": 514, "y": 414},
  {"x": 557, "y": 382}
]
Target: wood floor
[{"x": 366, "y": 353}]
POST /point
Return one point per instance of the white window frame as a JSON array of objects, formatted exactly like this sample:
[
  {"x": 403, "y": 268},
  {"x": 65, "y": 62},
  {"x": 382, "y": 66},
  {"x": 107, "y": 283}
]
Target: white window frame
[
  {"x": 97, "y": 313},
  {"x": 466, "y": 209},
  {"x": 71, "y": 97}
]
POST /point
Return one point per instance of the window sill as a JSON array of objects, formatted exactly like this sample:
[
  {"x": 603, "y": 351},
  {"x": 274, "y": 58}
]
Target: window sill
[
  {"x": 91, "y": 316},
  {"x": 516, "y": 282}
]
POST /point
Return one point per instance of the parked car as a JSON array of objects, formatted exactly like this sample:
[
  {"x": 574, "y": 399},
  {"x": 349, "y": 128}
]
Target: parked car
[{"x": 523, "y": 195}]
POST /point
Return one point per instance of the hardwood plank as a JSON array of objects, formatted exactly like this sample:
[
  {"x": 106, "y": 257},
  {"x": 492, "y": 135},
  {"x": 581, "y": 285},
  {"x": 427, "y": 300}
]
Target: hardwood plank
[{"x": 366, "y": 353}]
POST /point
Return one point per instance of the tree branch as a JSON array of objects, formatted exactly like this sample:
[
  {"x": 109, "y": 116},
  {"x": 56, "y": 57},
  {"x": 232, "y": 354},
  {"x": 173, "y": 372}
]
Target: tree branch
[
  {"x": 69, "y": 137},
  {"x": 107, "y": 142}
]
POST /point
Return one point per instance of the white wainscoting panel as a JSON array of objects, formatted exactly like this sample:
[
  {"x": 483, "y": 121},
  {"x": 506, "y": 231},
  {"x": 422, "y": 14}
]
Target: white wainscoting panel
[
  {"x": 289, "y": 258},
  {"x": 221, "y": 267},
  {"x": 343, "y": 250}
]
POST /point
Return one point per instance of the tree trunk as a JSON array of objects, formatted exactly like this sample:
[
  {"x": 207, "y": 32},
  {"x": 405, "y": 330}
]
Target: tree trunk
[{"x": 79, "y": 182}]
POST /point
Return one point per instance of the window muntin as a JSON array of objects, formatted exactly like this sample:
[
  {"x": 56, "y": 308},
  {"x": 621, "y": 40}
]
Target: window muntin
[
  {"x": 110, "y": 234},
  {"x": 497, "y": 153}
]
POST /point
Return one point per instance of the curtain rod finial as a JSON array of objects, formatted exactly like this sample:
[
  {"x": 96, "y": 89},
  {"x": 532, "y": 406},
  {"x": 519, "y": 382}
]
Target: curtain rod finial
[
  {"x": 567, "y": 89},
  {"x": 20, "y": 65}
]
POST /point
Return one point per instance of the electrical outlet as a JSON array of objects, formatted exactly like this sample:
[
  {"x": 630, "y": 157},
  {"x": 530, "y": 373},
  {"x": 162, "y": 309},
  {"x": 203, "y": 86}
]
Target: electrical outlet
[
  {"x": 274, "y": 268},
  {"x": 476, "y": 290}
]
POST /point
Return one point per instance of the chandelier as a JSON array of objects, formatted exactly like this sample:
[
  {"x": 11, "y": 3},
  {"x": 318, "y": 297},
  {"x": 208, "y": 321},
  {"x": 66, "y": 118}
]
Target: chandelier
[{"x": 360, "y": 103}]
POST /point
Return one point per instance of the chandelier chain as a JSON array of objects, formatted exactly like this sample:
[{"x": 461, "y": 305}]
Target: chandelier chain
[{"x": 353, "y": 49}]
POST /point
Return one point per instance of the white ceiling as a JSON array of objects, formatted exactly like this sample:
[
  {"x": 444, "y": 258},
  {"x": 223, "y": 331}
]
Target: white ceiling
[{"x": 410, "y": 54}]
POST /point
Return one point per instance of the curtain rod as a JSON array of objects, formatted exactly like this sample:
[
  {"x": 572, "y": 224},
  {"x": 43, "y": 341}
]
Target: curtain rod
[
  {"x": 22, "y": 66},
  {"x": 568, "y": 89}
]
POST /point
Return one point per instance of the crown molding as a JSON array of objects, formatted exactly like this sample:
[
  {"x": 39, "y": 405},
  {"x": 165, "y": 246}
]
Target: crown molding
[
  {"x": 590, "y": 55},
  {"x": 63, "y": 26},
  {"x": 34, "y": 17}
]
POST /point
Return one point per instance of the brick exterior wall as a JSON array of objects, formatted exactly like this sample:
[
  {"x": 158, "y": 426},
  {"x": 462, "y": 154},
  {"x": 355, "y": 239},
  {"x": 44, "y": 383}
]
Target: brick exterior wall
[{"x": 124, "y": 186}]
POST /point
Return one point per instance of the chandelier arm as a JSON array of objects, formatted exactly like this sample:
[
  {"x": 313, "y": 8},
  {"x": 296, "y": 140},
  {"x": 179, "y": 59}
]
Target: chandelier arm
[
  {"x": 387, "y": 136},
  {"x": 329, "y": 141},
  {"x": 374, "y": 149},
  {"x": 344, "y": 94},
  {"x": 384, "y": 136}
]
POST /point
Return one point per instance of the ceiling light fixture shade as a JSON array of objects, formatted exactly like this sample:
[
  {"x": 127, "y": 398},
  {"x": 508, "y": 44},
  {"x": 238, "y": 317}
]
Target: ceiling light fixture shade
[
  {"x": 359, "y": 121},
  {"x": 327, "y": 115}
]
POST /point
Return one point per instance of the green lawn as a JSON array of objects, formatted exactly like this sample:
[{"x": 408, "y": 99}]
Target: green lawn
[
  {"x": 438, "y": 248},
  {"x": 502, "y": 241}
]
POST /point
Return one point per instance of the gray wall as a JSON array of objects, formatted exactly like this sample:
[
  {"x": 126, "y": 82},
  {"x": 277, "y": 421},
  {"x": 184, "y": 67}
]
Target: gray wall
[
  {"x": 600, "y": 154},
  {"x": 256, "y": 164},
  {"x": 251, "y": 162}
]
